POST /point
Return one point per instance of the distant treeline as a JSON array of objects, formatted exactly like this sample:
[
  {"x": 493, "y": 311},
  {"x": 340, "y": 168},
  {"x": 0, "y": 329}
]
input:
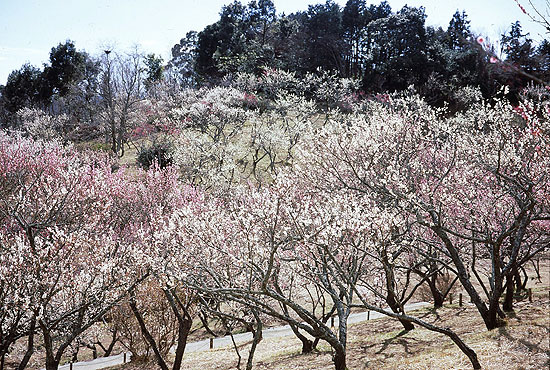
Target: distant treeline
[{"x": 385, "y": 50}]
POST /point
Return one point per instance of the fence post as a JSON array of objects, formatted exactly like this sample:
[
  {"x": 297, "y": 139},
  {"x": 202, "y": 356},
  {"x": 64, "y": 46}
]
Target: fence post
[
  {"x": 71, "y": 366},
  {"x": 211, "y": 343},
  {"x": 123, "y": 357},
  {"x": 450, "y": 298},
  {"x": 460, "y": 299},
  {"x": 332, "y": 321},
  {"x": 530, "y": 294},
  {"x": 368, "y": 314}
]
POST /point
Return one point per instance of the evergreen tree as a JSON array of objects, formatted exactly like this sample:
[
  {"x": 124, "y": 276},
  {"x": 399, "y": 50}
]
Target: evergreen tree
[
  {"x": 22, "y": 89},
  {"x": 66, "y": 67},
  {"x": 458, "y": 32},
  {"x": 398, "y": 54},
  {"x": 183, "y": 64},
  {"x": 353, "y": 25},
  {"x": 154, "y": 68},
  {"x": 518, "y": 47},
  {"x": 542, "y": 58},
  {"x": 324, "y": 43},
  {"x": 239, "y": 41}
]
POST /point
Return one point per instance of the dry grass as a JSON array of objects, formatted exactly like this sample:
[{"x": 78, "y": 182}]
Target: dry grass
[
  {"x": 381, "y": 344},
  {"x": 523, "y": 344}
]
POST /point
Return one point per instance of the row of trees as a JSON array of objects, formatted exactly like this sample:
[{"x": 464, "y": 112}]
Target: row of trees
[{"x": 362, "y": 209}]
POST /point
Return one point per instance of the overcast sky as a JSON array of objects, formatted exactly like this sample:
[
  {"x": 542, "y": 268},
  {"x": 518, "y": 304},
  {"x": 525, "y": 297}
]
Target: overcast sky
[{"x": 30, "y": 28}]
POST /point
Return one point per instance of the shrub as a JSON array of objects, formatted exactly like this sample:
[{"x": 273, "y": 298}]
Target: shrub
[{"x": 159, "y": 152}]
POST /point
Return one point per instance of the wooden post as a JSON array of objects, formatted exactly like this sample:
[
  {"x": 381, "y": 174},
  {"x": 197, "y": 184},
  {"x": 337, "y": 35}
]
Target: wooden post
[
  {"x": 211, "y": 343},
  {"x": 460, "y": 299},
  {"x": 530, "y": 294},
  {"x": 368, "y": 314},
  {"x": 123, "y": 357},
  {"x": 332, "y": 321},
  {"x": 451, "y": 298},
  {"x": 71, "y": 366}
]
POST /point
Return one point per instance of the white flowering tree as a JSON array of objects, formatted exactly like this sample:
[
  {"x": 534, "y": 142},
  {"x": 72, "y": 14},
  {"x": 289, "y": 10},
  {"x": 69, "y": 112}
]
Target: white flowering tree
[
  {"x": 251, "y": 254},
  {"x": 224, "y": 138},
  {"x": 476, "y": 184}
]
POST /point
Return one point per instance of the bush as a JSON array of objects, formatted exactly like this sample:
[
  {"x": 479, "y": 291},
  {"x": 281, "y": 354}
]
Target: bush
[{"x": 157, "y": 152}]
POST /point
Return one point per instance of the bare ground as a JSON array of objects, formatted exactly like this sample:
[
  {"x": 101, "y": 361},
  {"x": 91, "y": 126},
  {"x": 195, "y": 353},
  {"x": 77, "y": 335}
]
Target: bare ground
[
  {"x": 381, "y": 344},
  {"x": 524, "y": 343}
]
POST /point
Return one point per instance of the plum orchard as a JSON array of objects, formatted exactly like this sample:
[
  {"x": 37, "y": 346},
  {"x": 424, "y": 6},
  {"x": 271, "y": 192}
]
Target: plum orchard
[
  {"x": 69, "y": 240},
  {"x": 475, "y": 185},
  {"x": 392, "y": 182},
  {"x": 290, "y": 215}
]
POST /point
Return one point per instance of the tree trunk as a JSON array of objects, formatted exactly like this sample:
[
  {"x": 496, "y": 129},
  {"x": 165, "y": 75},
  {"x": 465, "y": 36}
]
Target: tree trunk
[
  {"x": 75, "y": 354},
  {"x": 464, "y": 277},
  {"x": 30, "y": 347},
  {"x": 146, "y": 334},
  {"x": 236, "y": 350},
  {"x": 523, "y": 284},
  {"x": 183, "y": 332},
  {"x": 52, "y": 363},
  {"x": 184, "y": 325},
  {"x": 109, "y": 349},
  {"x": 494, "y": 315},
  {"x": 509, "y": 297},
  {"x": 391, "y": 296},
  {"x": 339, "y": 359},
  {"x": 93, "y": 347},
  {"x": 112, "y": 344},
  {"x": 307, "y": 345},
  {"x": 390, "y": 300},
  {"x": 204, "y": 320},
  {"x": 436, "y": 294},
  {"x": 257, "y": 338},
  {"x": 407, "y": 325}
]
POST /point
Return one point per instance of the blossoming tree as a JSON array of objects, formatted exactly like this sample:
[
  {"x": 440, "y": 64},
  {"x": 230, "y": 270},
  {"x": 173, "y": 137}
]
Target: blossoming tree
[{"x": 63, "y": 239}]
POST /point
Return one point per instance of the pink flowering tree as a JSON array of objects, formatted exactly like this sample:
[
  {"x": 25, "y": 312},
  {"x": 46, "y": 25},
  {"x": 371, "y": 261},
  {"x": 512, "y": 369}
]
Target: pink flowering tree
[
  {"x": 161, "y": 208},
  {"x": 63, "y": 239}
]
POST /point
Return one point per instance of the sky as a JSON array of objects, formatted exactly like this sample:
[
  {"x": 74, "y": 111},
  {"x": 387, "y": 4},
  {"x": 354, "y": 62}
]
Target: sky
[{"x": 30, "y": 28}]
